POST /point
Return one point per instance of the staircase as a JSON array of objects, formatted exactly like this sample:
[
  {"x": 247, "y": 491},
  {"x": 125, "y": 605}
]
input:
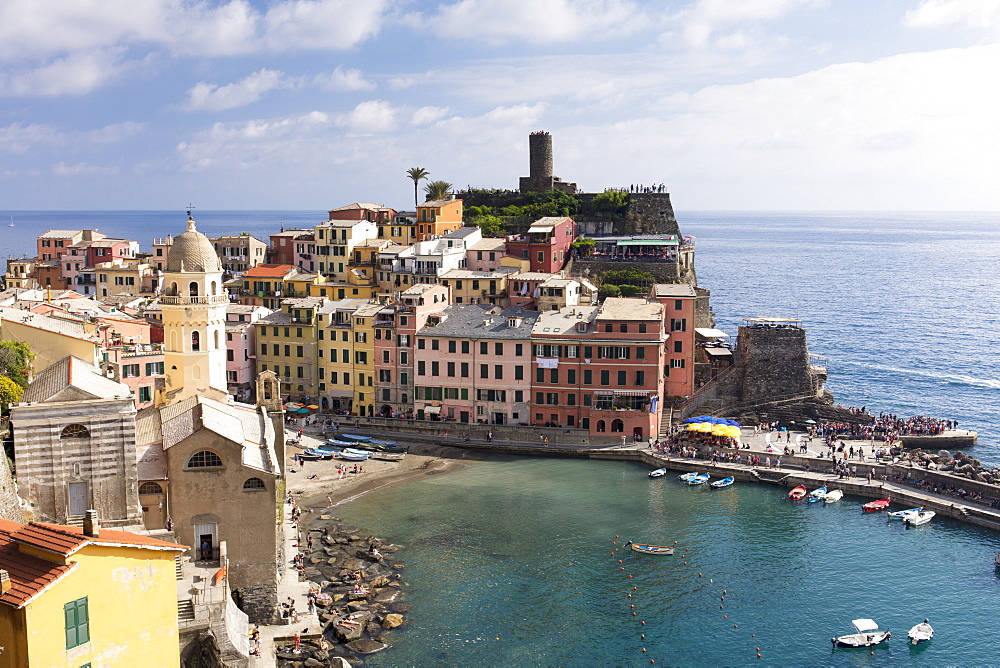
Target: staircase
[
  {"x": 185, "y": 611},
  {"x": 178, "y": 567}
]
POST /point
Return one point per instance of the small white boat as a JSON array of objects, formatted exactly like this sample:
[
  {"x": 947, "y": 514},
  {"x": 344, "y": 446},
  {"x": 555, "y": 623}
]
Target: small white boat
[
  {"x": 868, "y": 635},
  {"x": 658, "y": 473},
  {"x": 903, "y": 514},
  {"x": 687, "y": 476},
  {"x": 724, "y": 482},
  {"x": 916, "y": 519},
  {"x": 817, "y": 494},
  {"x": 699, "y": 479},
  {"x": 651, "y": 549},
  {"x": 922, "y": 632},
  {"x": 388, "y": 456},
  {"x": 352, "y": 455},
  {"x": 835, "y": 495}
]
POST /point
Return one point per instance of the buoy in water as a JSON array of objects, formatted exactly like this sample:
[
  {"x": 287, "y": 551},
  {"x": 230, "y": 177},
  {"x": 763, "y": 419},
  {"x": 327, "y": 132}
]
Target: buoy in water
[
  {"x": 643, "y": 623},
  {"x": 643, "y": 649},
  {"x": 629, "y": 577},
  {"x": 643, "y": 636},
  {"x": 734, "y": 626},
  {"x": 633, "y": 614}
]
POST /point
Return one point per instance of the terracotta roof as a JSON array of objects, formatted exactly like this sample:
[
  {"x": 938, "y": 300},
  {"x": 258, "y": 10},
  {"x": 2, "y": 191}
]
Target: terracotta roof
[
  {"x": 29, "y": 575},
  {"x": 269, "y": 270}
]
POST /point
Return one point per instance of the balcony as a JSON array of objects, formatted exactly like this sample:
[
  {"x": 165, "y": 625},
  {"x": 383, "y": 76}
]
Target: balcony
[{"x": 197, "y": 299}]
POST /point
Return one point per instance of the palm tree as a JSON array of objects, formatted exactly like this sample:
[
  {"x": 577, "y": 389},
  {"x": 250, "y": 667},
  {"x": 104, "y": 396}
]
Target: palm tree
[
  {"x": 417, "y": 174},
  {"x": 437, "y": 189}
]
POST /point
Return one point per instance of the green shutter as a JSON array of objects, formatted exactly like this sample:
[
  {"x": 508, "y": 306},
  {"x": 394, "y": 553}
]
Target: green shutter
[
  {"x": 69, "y": 610},
  {"x": 83, "y": 621}
]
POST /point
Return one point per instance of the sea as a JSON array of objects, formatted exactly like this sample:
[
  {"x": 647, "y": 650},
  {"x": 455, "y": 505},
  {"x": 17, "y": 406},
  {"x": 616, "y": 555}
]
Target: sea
[{"x": 520, "y": 561}]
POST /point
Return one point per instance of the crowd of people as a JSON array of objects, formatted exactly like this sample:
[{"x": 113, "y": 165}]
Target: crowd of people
[{"x": 887, "y": 427}]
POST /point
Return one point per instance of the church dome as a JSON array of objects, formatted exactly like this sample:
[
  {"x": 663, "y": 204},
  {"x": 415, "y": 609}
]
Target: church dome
[{"x": 193, "y": 252}]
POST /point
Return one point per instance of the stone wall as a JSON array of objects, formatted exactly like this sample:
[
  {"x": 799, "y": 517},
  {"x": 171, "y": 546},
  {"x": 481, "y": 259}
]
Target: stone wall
[
  {"x": 259, "y": 602},
  {"x": 775, "y": 363},
  {"x": 10, "y": 504},
  {"x": 649, "y": 213}
]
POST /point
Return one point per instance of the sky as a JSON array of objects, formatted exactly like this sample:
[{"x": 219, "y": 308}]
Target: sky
[{"x": 313, "y": 104}]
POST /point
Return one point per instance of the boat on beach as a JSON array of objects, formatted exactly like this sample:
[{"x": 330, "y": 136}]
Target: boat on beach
[
  {"x": 725, "y": 482},
  {"x": 651, "y": 549},
  {"x": 868, "y": 635},
  {"x": 388, "y": 456},
  {"x": 818, "y": 494},
  {"x": 916, "y": 519},
  {"x": 699, "y": 479},
  {"x": 337, "y": 443},
  {"x": 872, "y": 506},
  {"x": 834, "y": 496},
  {"x": 921, "y": 632},
  {"x": 658, "y": 473},
  {"x": 352, "y": 455},
  {"x": 902, "y": 514},
  {"x": 314, "y": 455},
  {"x": 358, "y": 438},
  {"x": 798, "y": 493}
]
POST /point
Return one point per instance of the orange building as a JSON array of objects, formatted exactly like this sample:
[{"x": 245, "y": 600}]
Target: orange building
[{"x": 436, "y": 217}]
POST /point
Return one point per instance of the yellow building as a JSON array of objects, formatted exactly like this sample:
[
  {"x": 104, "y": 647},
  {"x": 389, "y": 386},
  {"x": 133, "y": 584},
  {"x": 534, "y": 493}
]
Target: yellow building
[
  {"x": 86, "y": 597},
  {"x": 288, "y": 343},
  {"x": 436, "y": 217},
  {"x": 51, "y": 338}
]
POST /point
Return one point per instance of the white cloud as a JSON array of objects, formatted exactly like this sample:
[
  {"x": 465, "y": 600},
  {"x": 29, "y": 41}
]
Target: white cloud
[
  {"x": 82, "y": 169},
  {"x": 978, "y": 14},
  {"x": 370, "y": 116},
  {"x": 728, "y": 25},
  {"x": 213, "y": 97},
  {"x": 18, "y": 138},
  {"x": 541, "y": 21},
  {"x": 116, "y": 132},
  {"x": 76, "y": 74},
  {"x": 344, "y": 81},
  {"x": 428, "y": 115}
]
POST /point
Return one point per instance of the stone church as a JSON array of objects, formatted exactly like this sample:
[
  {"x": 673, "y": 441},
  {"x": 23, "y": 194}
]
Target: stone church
[{"x": 209, "y": 464}]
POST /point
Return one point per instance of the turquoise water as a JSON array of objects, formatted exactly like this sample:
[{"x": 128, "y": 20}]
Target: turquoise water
[{"x": 508, "y": 562}]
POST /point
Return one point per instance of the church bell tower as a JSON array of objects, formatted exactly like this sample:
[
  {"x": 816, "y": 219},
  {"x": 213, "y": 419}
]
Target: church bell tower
[{"x": 194, "y": 319}]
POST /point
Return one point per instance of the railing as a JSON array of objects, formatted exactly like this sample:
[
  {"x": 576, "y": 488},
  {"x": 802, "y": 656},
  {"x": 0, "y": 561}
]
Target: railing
[{"x": 199, "y": 299}]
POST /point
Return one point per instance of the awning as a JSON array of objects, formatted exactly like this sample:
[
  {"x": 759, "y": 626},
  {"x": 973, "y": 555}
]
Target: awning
[
  {"x": 710, "y": 333},
  {"x": 632, "y": 393},
  {"x": 719, "y": 352},
  {"x": 432, "y": 409},
  {"x": 544, "y": 230},
  {"x": 648, "y": 242}
]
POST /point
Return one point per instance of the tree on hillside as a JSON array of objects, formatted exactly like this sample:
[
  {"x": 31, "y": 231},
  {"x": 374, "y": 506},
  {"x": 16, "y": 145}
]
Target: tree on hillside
[
  {"x": 418, "y": 174},
  {"x": 10, "y": 392},
  {"x": 437, "y": 189},
  {"x": 15, "y": 361}
]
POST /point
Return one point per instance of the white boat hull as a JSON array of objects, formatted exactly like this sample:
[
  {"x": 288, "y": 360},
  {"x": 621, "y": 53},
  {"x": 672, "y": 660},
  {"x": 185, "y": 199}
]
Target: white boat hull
[
  {"x": 920, "y": 633},
  {"x": 869, "y": 639},
  {"x": 919, "y": 518},
  {"x": 835, "y": 495}
]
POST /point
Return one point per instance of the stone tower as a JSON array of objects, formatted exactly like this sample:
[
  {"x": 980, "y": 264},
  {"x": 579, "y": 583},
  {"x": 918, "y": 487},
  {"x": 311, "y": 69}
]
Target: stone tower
[
  {"x": 540, "y": 177},
  {"x": 194, "y": 319}
]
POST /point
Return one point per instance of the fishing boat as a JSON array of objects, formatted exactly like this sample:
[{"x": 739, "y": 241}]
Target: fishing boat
[
  {"x": 798, "y": 493},
  {"x": 996, "y": 560},
  {"x": 725, "y": 482},
  {"x": 916, "y": 519},
  {"x": 337, "y": 443},
  {"x": 356, "y": 437},
  {"x": 316, "y": 454},
  {"x": 699, "y": 479},
  {"x": 388, "y": 456},
  {"x": 922, "y": 632},
  {"x": 902, "y": 514},
  {"x": 658, "y": 473},
  {"x": 352, "y": 455},
  {"x": 687, "y": 476},
  {"x": 834, "y": 496},
  {"x": 651, "y": 549},
  {"x": 381, "y": 442},
  {"x": 872, "y": 506},
  {"x": 818, "y": 494},
  {"x": 868, "y": 635}
]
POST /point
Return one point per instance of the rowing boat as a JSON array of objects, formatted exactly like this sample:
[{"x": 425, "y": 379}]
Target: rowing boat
[
  {"x": 798, "y": 493},
  {"x": 724, "y": 482},
  {"x": 651, "y": 549}
]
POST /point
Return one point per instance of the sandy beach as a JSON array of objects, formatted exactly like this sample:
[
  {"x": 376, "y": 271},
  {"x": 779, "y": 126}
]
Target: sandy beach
[{"x": 326, "y": 490}]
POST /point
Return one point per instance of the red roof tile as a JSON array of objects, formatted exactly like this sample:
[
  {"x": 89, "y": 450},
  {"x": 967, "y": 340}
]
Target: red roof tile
[{"x": 29, "y": 575}]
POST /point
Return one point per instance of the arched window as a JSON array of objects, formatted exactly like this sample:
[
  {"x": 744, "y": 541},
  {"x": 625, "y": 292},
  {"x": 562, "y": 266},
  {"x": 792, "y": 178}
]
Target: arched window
[
  {"x": 195, "y": 341},
  {"x": 215, "y": 340},
  {"x": 150, "y": 488},
  {"x": 75, "y": 431},
  {"x": 204, "y": 459},
  {"x": 617, "y": 425},
  {"x": 173, "y": 289},
  {"x": 193, "y": 288},
  {"x": 253, "y": 483},
  {"x": 214, "y": 288},
  {"x": 600, "y": 425}
]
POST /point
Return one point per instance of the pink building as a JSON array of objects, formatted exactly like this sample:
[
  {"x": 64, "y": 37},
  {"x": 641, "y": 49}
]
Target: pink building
[
  {"x": 679, "y": 301},
  {"x": 546, "y": 244},
  {"x": 473, "y": 364},
  {"x": 241, "y": 349},
  {"x": 485, "y": 254},
  {"x": 395, "y": 331},
  {"x": 600, "y": 368},
  {"x": 141, "y": 368}
]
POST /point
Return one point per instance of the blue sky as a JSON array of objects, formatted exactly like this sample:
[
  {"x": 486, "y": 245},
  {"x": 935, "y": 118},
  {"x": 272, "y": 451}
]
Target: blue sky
[{"x": 312, "y": 104}]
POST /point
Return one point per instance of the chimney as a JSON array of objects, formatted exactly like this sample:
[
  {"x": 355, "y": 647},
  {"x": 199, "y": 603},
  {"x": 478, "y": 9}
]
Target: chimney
[
  {"x": 91, "y": 525},
  {"x": 4, "y": 582}
]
